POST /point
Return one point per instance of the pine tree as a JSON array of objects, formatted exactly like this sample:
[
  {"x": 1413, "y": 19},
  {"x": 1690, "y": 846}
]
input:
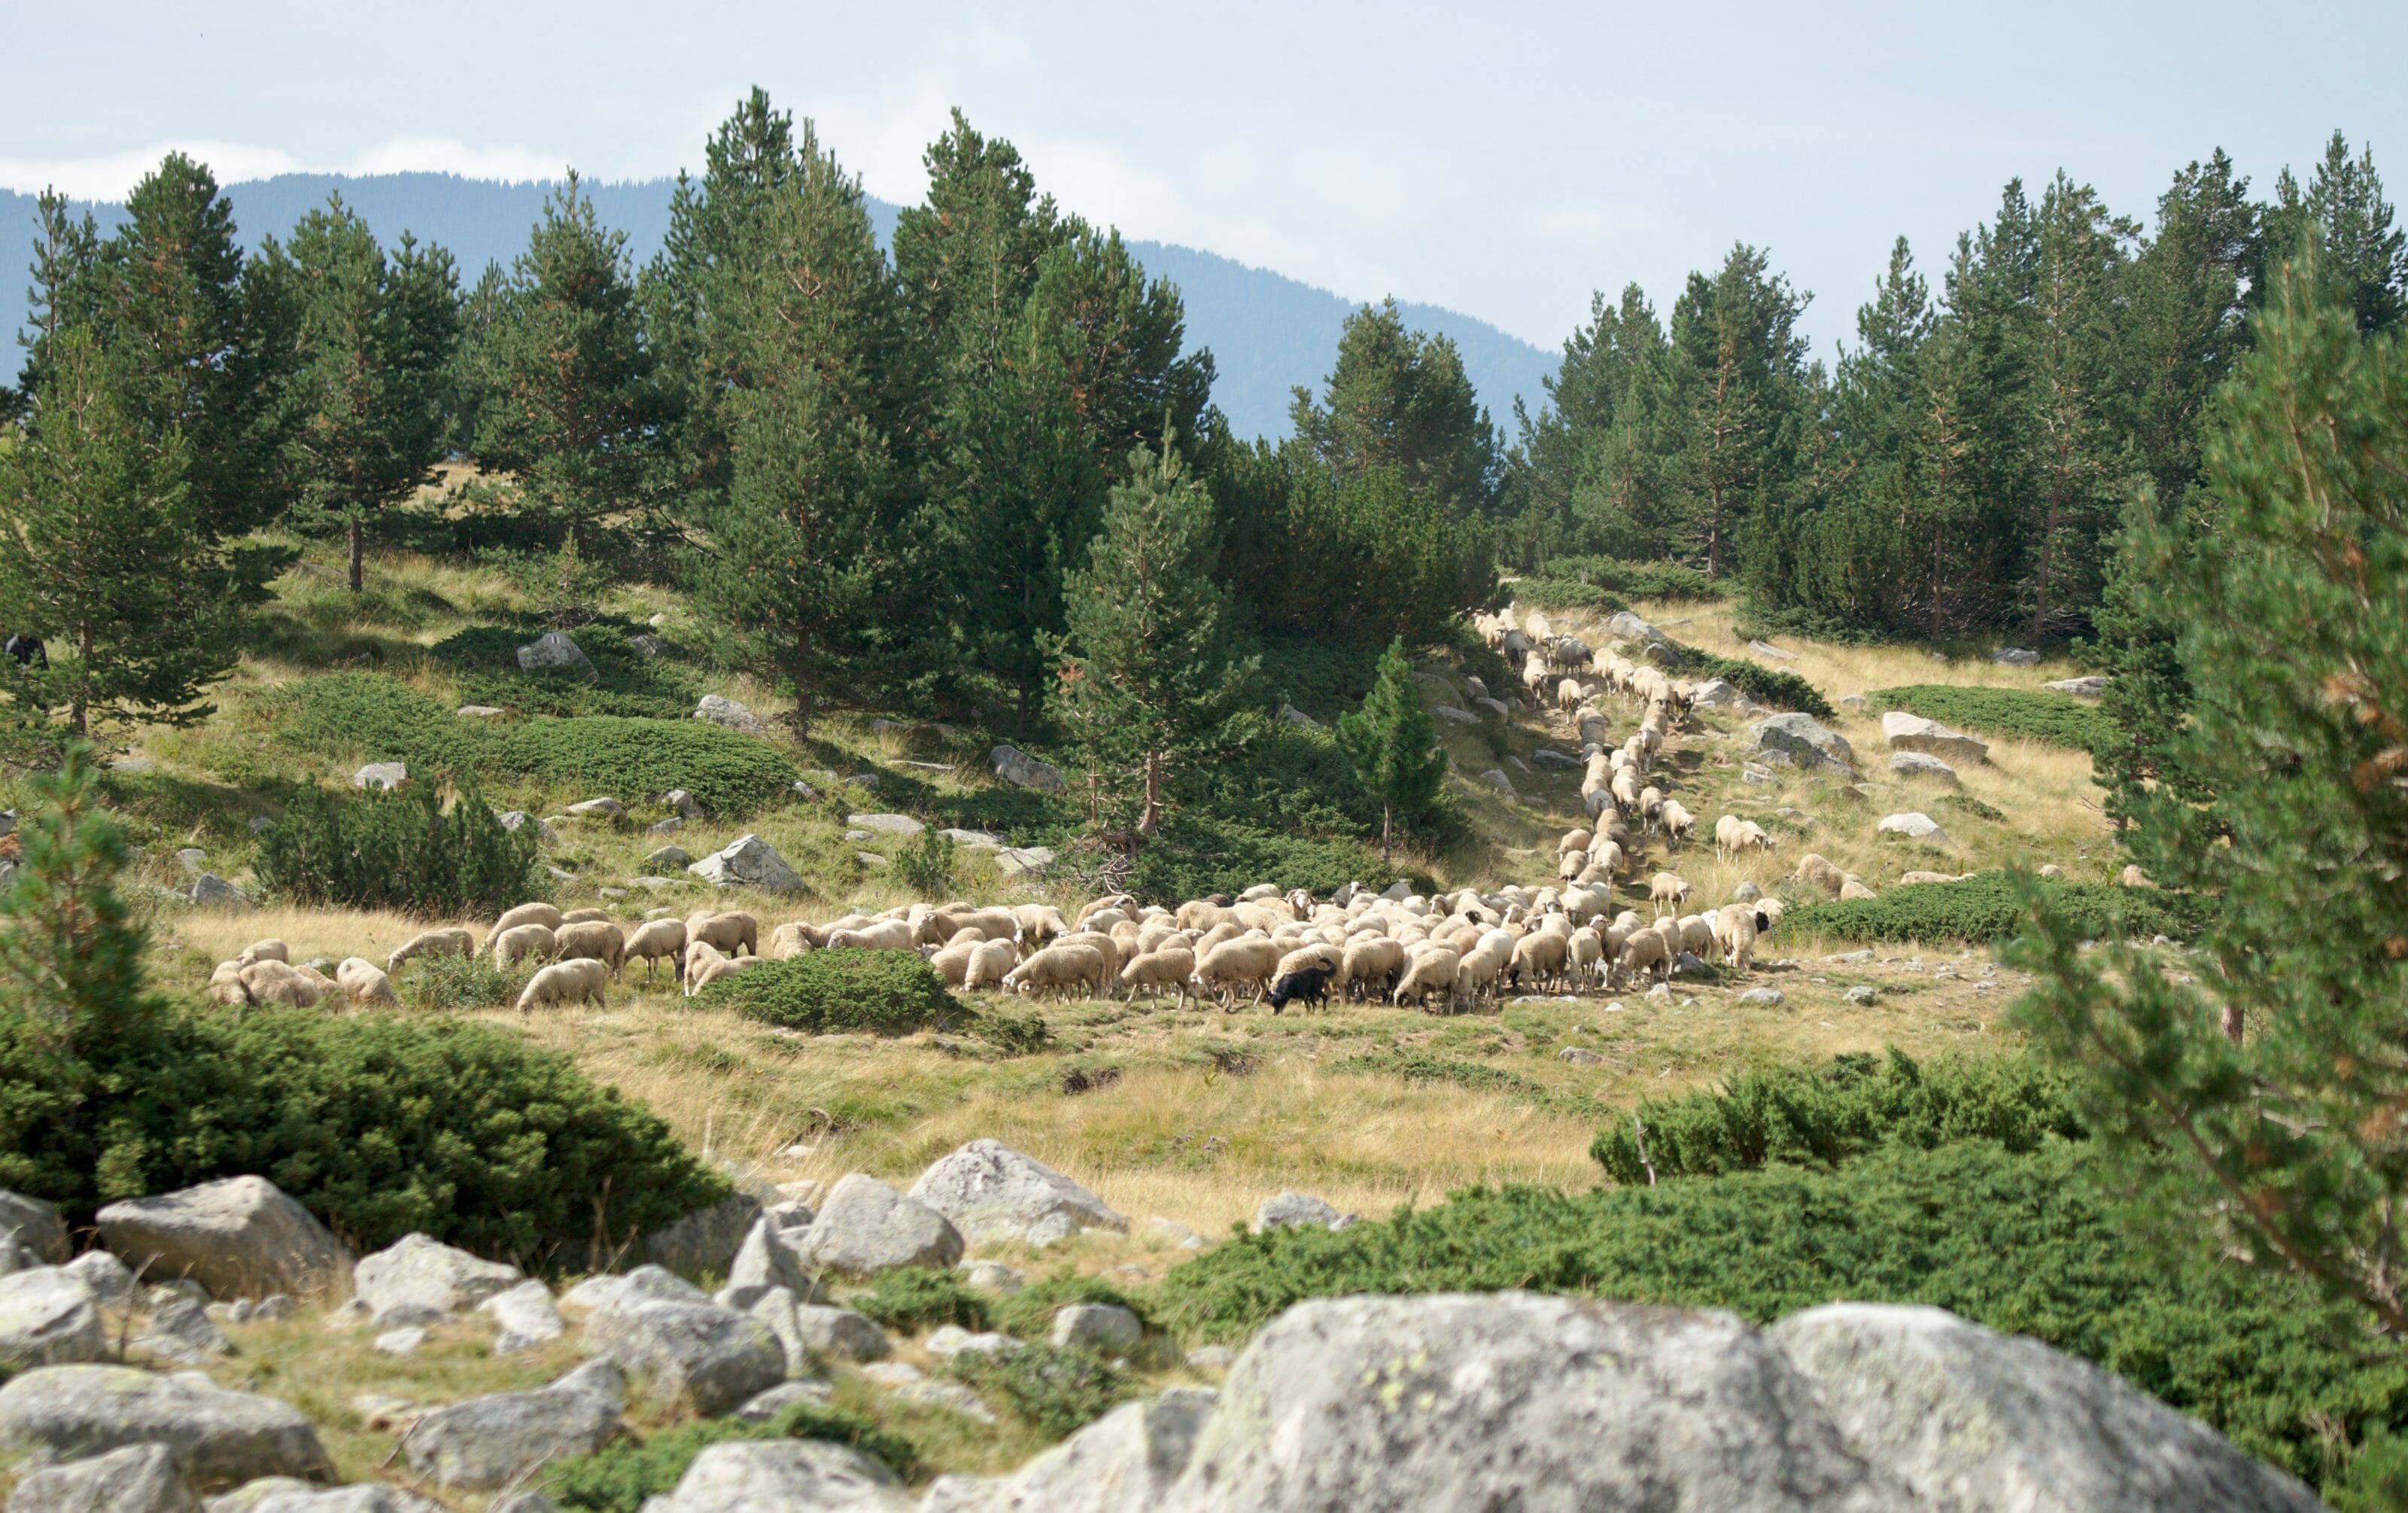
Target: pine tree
[
  {"x": 1401, "y": 399},
  {"x": 1149, "y": 678},
  {"x": 1393, "y": 745},
  {"x": 70, "y": 952},
  {"x": 102, "y": 559},
  {"x": 2360, "y": 251},
  {"x": 2261, "y": 1101},
  {"x": 1738, "y": 377}
]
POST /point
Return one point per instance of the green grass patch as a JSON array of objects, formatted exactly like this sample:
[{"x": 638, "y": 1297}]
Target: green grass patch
[
  {"x": 619, "y": 1478},
  {"x": 621, "y": 680},
  {"x": 2028, "y": 714},
  {"x": 1662, "y": 580},
  {"x": 1058, "y": 1393},
  {"x": 883, "y": 992},
  {"x": 1984, "y": 908},
  {"x": 914, "y": 1297}
]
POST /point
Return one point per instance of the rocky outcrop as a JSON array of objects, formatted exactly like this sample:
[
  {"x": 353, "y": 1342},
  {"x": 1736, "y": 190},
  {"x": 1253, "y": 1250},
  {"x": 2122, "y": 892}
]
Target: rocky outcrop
[
  {"x": 746, "y": 1476},
  {"x": 1801, "y": 741},
  {"x": 1912, "y": 732},
  {"x": 66, "y": 1412},
  {"x": 488, "y": 1442},
  {"x": 1022, "y": 771},
  {"x": 238, "y": 1238},
  {"x": 991, "y": 1192},
  {"x": 704, "y": 1240},
  {"x": 140, "y": 1478},
  {"x": 554, "y": 652},
  {"x": 526, "y": 1316},
  {"x": 1124, "y": 1463},
  {"x": 47, "y": 1317},
  {"x": 866, "y": 1227},
  {"x": 36, "y": 1225},
  {"x": 887, "y": 824},
  {"x": 713, "y": 709},
  {"x": 419, "y": 1272},
  {"x": 693, "y": 1351},
  {"x": 749, "y": 861},
  {"x": 768, "y": 1259}
]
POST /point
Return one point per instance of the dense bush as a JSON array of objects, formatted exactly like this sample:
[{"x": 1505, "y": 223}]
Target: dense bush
[
  {"x": 2021, "y": 1243},
  {"x": 619, "y": 1478},
  {"x": 884, "y": 992},
  {"x": 1200, "y": 854},
  {"x": 927, "y": 866},
  {"x": 398, "y": 848},
  {"x": 1830, "y": 1116},
  {"x": 1767, "y": 685},
  {"x": 1985, "y": 908},
  {"x": 1323, "y": 678},
  {"x": 1565, "y": 594},
  {"x": 2032, "y": 714},
  {"x": 1286, "y": 779},
  {"x": 448, "y": 982},
  {"x": 1661, "y": 580},
  {"x": 1056, "y": 1392},
  {"x": 915, "y": 1297}
]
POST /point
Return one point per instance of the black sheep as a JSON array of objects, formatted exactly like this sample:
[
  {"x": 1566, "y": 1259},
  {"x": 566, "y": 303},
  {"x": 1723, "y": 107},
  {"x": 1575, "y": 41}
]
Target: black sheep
[{"x": 1310, "y": 984}]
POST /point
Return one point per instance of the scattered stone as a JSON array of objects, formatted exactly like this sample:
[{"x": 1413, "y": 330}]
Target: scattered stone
[
  {"x": 599, "y": 809},
  {"x": 1858, "y": 994},
  {"x": 478, "y": 711},
  {"x": 35, "y": 1224},
  {"x": 1550, "y": 757},
  {"x": 669, "y": 858},
  {"x": 136, "y": 765},
  {"x": 2091, "y": 686},
  {"x": 210, "y": 892},
  {"x": 991, "y": 1192},
  {"x": 974, "y": 840},
  {"x": 1716, "y": 693},
  {"x": 416, "y": 1269},
  {"x": 866, "y": 1227},
  {"x": 1104, "y": 1328},
  {"x": 1662, "y": 990},
  {"x": 1915, "y": 826},
  {"x": 1689, "y": 964},
  {"x": 1765, "y": 648},
  {"x": 885, "y": 823},
  {"x": 401, "y": 1341},
  {"x": 1298, "y": 1210},
  {"x": 1762, "y": 998},
  {"x": 1015, "y": 862},
  {"x": 695, "y": 1352},
  {"x": 1497, "y": 707},
  {"x": 1801, "y": 741},
  {"x": 238, "y": 1238},
  {"x": 871, "y": 860},
  {"x": 1576, "y": 1056},
  {"x": 1290, "y": 714},
  {"x": 858, "y": 835},
  {"x": 749, "y": 862},
  {"x": 1756, "y": 775},
  {"x": 190, "y": 859},
  {"x": 766, "y": 1260},
  {"x": 512, "y": 818},
  {"x": 2016, "y": 657},
  {"x": 526, "y": 1314},
  {"x": 219, "y": 1436},
  {"x": 704, "y": 1240},
  {"x": 1454, "y": 716},
  {"x": 1630, "y": 628},
  {"x": 741, "y": 1474},
  {"x": 712, "y": 709},
  {"x": 995, "y": 1277},
  {"x": 554, "y": 652},
  {"x": 493, "y": 1441},
  {"x": 1022, "y": 771},
  {"x": 1914, "y": 764},
  {"x": 950, "y": 1340},
  {"x": 47, "y": 1317},
  {"x": 651, "y": 645},
  {"x": 1747, "y": 892},
  {"x": 816, "y": 1392},
  {"x": 1912, "y": 732},
  {"x": 380, "y": 775},
  {"x": 1211, "y": 1358},
  {"x": 950, "y": 1396},
  {"x": 1905, "y": 878},
  {"x": 1495, "y": 777},
  {"x": 138, "y": 1478},
  {"x": 108, "y": 1280},
  {"x": 1852, "y": 701}
]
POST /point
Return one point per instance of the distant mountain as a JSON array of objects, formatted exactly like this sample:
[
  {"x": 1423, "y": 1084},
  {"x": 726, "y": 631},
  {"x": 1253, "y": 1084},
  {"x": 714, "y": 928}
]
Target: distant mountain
[{"x": 1267, "y": 333}]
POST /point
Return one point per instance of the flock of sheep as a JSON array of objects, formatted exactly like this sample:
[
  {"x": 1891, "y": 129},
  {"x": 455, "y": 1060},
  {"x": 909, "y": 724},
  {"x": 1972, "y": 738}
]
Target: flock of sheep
[{"x": 1461, "y": 949}]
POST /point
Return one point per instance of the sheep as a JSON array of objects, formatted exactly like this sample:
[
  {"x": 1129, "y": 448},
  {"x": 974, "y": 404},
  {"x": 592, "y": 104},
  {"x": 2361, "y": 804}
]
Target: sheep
[
  {"x": 1697, "y": 936},
  {"x": 1539, "y": 958},
  {"x": 566, "y": 982},
  {"x": 582, "y": 916},
  {"x": 1371, "y": 963},
  {"x": 1770, "y": 911},
  {"x": 952, "y": 962},
  {"x": 1310, "y": 985},
  {"x": 1232, "y": 966},
  {"x": 278, "y": 982},
  {"x": 1040, "y": 923},
  {"x": 1853, "y": 886},
  {"x": 1583, "y": 902},
  {"x": 1171, "y": 967},
  {"x": 1651, "y": 804},
  {"x": 521, "y": 942},
  {"x": 1733, "y": 835},
  {"x": 1607, "y": 857},
  {"x": 881, "y": 935},
  {"x": 450, "y": 941},
  {"x": 1735, "y": 927},
  {"x": 1482, "y": 966},
  {"x": 1058, "y": 967},
  {"x": 736, "y": 932},
  {"x": 989, "y": 963},
  {"x": 225, "y": 985},
  {"x": 1674, "y": 819},
  {"x": 992, "y": 924},
  {"x": 1569, "y": 695},
  {"x": 701, "y": 957},
  {"x": 1643, "y": 949},
  {"x": 1585, "y": 950},
  {"x": 270, "y": 949},
  {"x": 1318, "y": 955},
  {"x": 593, "y": 939},
  {"x": 363, "y": 984},
  {"x": 1812, "y": 868},
  {"x": 1432, "y": 969},
  {"x": 1667, "y": 887},
  {"x": 525, "y": 913},
  {"x": 1574, "y": 841},
  {"x": 1103, "y": 945},
  {"x": 655, "y": 939}
]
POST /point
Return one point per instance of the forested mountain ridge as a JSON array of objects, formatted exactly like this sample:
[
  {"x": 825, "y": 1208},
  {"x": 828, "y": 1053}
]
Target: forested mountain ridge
[{"x": 1267, "y": 333}]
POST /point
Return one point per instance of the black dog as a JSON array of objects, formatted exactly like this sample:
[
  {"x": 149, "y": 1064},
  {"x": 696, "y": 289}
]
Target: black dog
[{"x": 1311, "y": 985}]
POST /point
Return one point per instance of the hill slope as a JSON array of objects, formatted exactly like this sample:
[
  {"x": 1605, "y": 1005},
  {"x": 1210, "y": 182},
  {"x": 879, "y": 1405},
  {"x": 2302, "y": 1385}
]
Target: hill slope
[{"x": 1268, "y": 332}]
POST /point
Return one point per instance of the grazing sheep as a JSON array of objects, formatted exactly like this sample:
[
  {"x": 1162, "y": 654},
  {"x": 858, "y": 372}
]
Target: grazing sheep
[
  {"x": 1735, "y": 927},
  {"x": 1770, "y": 911},
  {"x": 1814, "y": 867},
  {"x": 1123, "y": 902},
  {"x": 1697, "y": 936},
  {"x": 952, "y": 962},
  {"x": 1574, "y": 841},
  {"x": 593, "y": 940},
  {"x": 362, "y": 984},
  {"x": 1585, "y": 950},
  {"x": 1231, "y": 966},
  {"x": 582, "y": 916},
  {"x": 1059, "y": 968},
  {"x": 881, "y": 935},
  {"x": 655, "y": 939},
  {"x": 226, "y": 984},
  {"x": 1372, "y": 964},
  {"x": 523, "y": 942},
  {"x": 1102, "y": 944},
  {"x": 736, "y": 932},
  {"x": 992, "y": 924},
  {"x": 270, "y": 949},
  {"x": 1039, "y": 923},
  {"x": 566, "y": 982},
  {"x": 1310, "y": 986},
  {"x": 1171, "y": 967},
  {"x": 1733, "y": 835},
  {"x": 1315, "y": 954},
  {"x": 1539, "y": 958},
  {"x": 278, "y": 982},
  {"x": 721, "y": 967},
  {"x": 1667, "y": 887},
  {"x": 1673, "y": 818},
  {"x": 451, "y": 941},
  {"x": 1645, "y": 948},
  {"x": 1431, "y": 970},
  {"x": 700, "y": 958},
  {"x": 525, "y": 913},
  {"x": 1572, "y": 864},
  {"x": 989, "y": 964}
]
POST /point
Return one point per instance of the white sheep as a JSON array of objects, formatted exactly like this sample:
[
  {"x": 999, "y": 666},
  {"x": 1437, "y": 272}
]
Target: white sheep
[
  {"x": 1232, "y": 967},
  {"x": 989, "y": 964},
  {"x": 525, "y": 913},
  {"x": 270, "y": 949},
  {"x": 1371, "y": 963},
  {"x": 1667, "y": 887},
  {"x": 1172, "y": 967},
  {"x": 363, "y": 984},
  {"x": 278, "y": 981},
  {"x": 736, "y": 932},
  {"x": 593, "y": 940},
  {"x": 521, "y": 942},
  {"x": 654, "y": 940},
  {"x": 566, "y": 982},
  {"x": 450, "y": 940},
  {"x": 1673, "y": 818},
  {"x": 1059, "y": 968},
  {"x": 1433, "y": 969}
]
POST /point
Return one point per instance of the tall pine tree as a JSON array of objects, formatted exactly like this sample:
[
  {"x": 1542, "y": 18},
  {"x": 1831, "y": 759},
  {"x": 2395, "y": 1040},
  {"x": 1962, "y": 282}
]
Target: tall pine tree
[{"x": 1392, "y": 743}]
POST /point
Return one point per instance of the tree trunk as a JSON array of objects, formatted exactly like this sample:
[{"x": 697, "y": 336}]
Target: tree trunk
[
  {"x": 2232, "y": 1022},
  {"x": 1937, "y": 534},
  {"x": 2047, "y": 546},
  {"x": 359, "y": 546},
  {"x": 77, "y": 715},
  {"x": 1151, "y": 821},
  {"x": 1387, "y": 825},
  {"x": 802, "y": 682}
]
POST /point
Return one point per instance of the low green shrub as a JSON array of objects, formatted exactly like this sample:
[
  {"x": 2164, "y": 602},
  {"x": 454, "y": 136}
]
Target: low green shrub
[
  {"x": 2030, "y": 714},
  {"x": 1836, "y": 1115},
  {"x": 620, "y": 680},
  {"x": 1421, "y": 1067},
  {"x": 1565, "y": 594},
  {"x": 1028, "y": 1312},
  {"x": 915, "y": 1297},
  {"x": 1662, "y": 580},
  {"x": 2024, "y": 1244},
  {"x": 1784, "y": 691},
  {"x": 619, "y": 1478},
  {"x": 373, "y": 716},
  {"x": 727, "y": 773},
  {"x": 1056, "y": 1392},
  {"x": 927, "y": 866},
  {"x": 1323, "y": 678},
  {"x": 1285, "y": 779},
  {"x": 1013, "y": 1034},
  {"x": 1197, "y": 854},
  {"x": 883, "y": 992},
  {"x": 398, "y": 848},
  {"x": 1984, "y": 908},
  {"x": 448, "y": 983}
]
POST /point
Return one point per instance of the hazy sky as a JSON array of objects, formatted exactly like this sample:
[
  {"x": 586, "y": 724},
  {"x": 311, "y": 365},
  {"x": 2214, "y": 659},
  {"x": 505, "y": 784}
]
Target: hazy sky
[{"x": 1503, "y": 160}]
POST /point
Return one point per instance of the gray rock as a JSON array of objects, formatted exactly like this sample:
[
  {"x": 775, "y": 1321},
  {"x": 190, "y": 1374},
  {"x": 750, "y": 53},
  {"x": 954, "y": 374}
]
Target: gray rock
[
  {"x": 478, "y": 711},
  {"x": 1495, "y": 777},
  {"x": 1015, "y": 862},
  {"x": 184, "y": 1333},
  {"x": 1766, "y": 648},
  {"x": 238, "y": 1238},
  {"x": 974, "y": 840},
  {"x": 416, "y": 1269},
  {"x": 839, "y": 1333},
  {"x": 993, "y": 1277},
  {"x": 1579, "y": 1056},
  {"x": 49, "y": 1317},
  {"x": 190, "y": 859},
  {"x": 380, "y": 775},
  {"x": 1452, "y": 716},
  {"x": 756, "y": 1475},
  {"x": 404, "y": 1341},
  {"x": 1102, "y": 1327},
  {"x": 140, "y": 1478},
  {"x": 647, "y": 1281},
  {"x": 488, "y": 1442},
  {"x": 36, "y": 1225},
  {"x": 696, "y": 1353},
  {"x": 1757, "y": 775},
  {"x": 1858, "y": 994},
  {"x": 525, "y": 1503},
  {"x": 67, "y": 1412},
  {"x": 950, "y": 1396},
  {"x": 1852, "y": 701},
  {"x": 1290, "y": 714},
  {"x": 992, "y": 1192},
  {"x": 1747, "y": 892},
  {"x": 681, "y": 804},
  {"x": 1912, "y": 732},
  {"x": 887, "y": 824},
  {"x": 210, "y": 892},
  {"x": 1914, "y": 764},
  {"x": 2091, "y": 686},
  {"x": 1178, "y": 1233},
  {"x": 526, "y": 1315},
  {"x": 1513, "y": 1401},
  {"x": 749, "y": 861},
  {"x": 1022, "y": 771},
  {"x": 1628, "y": 626},
  {"x": 2016, "y": 657},
  {"x": 704, "y": 1240},
  {"x": 1762, "y": 998},
  {"x": 512, "y": 818},
  {"x": 554, "y": 652},
  {"x": 108, "y": 1278},
  {"x": 1801, "y": 741},
  {"x": 669, "y": 858},
  {"x": 728, "y": 715},
  {"x": 767, "y": 1259},
  {"x": 1913, "y": 826},
  {"x": 1550, "y": 757},
  {"x": 649, "y": 644},
  {"x": 599, "y": 809},
  {"x": 283, "y": 1495},
  {"x": 1211, "y": 1358},
  {"x": 1715, "y": 693},
  {"x": 1967, "y": 1418},
  {"x": 1297, "y": 1210},
  {"x": 1497, "y": 706},
  {"x": 1125, "y": 1461},
  {"x": 815, "y": 1391},
  {"x": 947, "y": 1341}
]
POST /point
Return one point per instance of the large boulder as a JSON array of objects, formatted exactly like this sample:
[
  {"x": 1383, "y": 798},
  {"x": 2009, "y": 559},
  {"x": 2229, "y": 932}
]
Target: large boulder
[
  {"x": 140, "y": 1478},
  {"x": 887, "y": 824},
  {"x": 239, "y": 1237},
  {"x": 1298, "y": 1211},
  {"x": 713, "y": 709},
  {"x": 696, "y": 1353},
  {"x": 36, "y": 1225},
  {"x": 1628, "y": 626},
  {"x": 833, "y": 1333},
  {"x": 381, "y": 775},
  {"x": 749, "y": 861},
  {"x": 554, "y": 652},
  {"x": 1126, "y": 1462},
  {"x": 704, "y": 1240},
  {"x": 210, "y": 892},
  {"x": 1967, "y": 1418},
  {"x": 766, "y": 1260},
  {"x": 1717, "y": 693},
  {"x": 526, "y": 1317},
  {"x": 49, "y": 1315},
  {"x": 754, "y": 1475},
  {"x": 1912, "y": 732},
  {"x": 66, "y": 1412},
  {"x": 1106, "y": 1328},
  {"x": 1914, "y": 764},
  {"x": 1022, "y": 771},
  {"x": 866, "y": 1227},
  {"x": 991, "y": 1192},
  {"x": 2091, "y": 686},
  {"x": 1515, "y": 1401},
  {"x": 1801, "y": 741},
  {"x": 417, "y": 1272},
  {"x": 1917, "y": 827},
  {"x": 488, "y": 1442}
]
